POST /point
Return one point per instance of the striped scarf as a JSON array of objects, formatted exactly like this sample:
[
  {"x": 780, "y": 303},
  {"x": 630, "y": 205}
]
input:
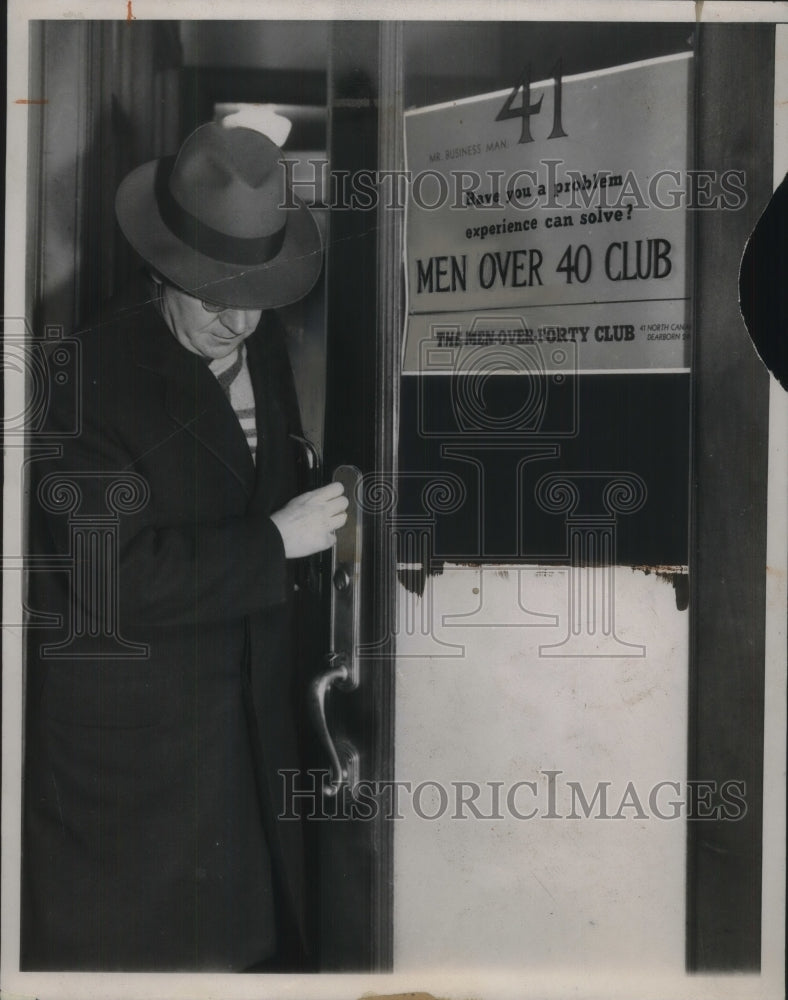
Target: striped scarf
[{"x": 232, "y": 373}]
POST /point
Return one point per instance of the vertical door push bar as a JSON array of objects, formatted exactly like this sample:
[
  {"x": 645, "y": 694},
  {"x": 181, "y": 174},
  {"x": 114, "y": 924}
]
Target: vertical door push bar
[{"x": 342, "y": 660}]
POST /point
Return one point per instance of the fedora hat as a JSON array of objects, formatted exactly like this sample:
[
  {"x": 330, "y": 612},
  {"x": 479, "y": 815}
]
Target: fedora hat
[{"x": 219, "y": 221}]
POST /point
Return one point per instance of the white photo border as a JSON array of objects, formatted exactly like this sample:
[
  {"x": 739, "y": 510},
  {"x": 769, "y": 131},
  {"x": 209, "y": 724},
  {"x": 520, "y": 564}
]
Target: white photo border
[{"x": 770, "y": 983}]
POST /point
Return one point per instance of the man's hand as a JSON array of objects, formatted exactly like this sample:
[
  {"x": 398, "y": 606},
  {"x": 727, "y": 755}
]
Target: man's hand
[{"x": 307, "y": 524}]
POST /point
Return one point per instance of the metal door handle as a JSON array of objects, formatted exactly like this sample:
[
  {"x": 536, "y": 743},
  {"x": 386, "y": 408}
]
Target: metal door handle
[
  {"x": 343, "y": 756},
  {"x": 342, "y": 660},
  {"x": 312, "y": 461}
]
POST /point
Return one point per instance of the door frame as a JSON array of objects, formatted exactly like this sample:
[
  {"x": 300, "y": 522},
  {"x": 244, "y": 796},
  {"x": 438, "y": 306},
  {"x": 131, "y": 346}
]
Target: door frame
[
  {"x": 734, "y": 108},
  {"x": 364, "y": 302}
]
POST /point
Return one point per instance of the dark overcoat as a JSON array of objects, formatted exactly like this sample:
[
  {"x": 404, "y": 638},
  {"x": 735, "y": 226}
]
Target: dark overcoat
[{"x": 160, "y": 711}]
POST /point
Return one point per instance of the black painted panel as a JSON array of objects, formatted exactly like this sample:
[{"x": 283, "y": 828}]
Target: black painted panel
[{"x": 600, "y": 424}]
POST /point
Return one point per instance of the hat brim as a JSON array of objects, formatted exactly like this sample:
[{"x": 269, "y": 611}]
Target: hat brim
[{"x": 284, "y": 279}]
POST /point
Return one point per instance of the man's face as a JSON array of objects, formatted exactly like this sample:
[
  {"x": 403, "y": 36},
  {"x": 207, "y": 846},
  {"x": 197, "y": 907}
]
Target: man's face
[{"x": 210, "y": 330}]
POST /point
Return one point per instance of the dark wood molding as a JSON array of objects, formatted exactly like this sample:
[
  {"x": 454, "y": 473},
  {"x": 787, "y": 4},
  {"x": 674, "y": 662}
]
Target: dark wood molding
[
  {"x": 365, "y": 132},
  {"x": 734, "y": 108}
]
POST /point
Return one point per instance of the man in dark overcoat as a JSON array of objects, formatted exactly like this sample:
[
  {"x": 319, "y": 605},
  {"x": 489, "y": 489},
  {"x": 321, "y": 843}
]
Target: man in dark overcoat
[{"x": 159, "y": 707}]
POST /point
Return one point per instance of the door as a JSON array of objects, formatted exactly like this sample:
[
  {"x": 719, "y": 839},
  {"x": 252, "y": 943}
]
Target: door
[{"x": 475, "y": 602}]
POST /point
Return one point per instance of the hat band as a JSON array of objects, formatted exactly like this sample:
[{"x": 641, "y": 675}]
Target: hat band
[{"x": 204, "y": 238}]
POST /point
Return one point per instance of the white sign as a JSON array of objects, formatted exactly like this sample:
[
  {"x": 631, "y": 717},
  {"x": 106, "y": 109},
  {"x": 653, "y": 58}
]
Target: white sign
[{"x": 555, "y": 214}]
